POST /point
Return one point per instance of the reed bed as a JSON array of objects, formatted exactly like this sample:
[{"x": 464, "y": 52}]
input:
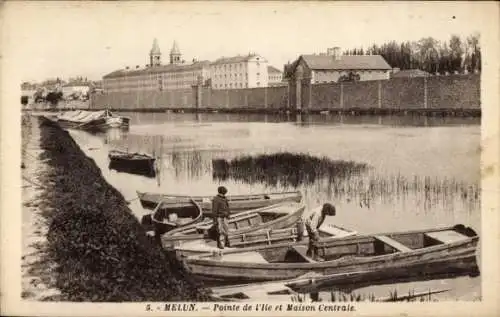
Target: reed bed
[
  {"x": 285, "y": 168},
  {"x": 344, "y": 179},
  {"x": 394, "y": 296}
]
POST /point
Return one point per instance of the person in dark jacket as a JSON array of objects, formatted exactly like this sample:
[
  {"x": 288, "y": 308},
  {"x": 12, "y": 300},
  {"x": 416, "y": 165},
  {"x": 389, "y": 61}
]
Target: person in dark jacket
[{"x": 220, "y": 210}]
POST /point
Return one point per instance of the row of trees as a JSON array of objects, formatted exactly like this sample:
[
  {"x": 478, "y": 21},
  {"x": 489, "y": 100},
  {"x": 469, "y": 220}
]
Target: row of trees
[{"x": 429, "y": 54}]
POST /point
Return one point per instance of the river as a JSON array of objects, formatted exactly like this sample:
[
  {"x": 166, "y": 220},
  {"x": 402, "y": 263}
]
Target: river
[{"x": 421, "y": 172}]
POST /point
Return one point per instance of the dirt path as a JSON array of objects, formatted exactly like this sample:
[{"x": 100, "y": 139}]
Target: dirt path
[{"x": 37, "y": 270}]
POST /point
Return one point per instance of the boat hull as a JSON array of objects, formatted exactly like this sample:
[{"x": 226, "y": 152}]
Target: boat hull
[
  {"x": 91, "y": 120},
  {"x": 455, "y": 256},
  {"x": 134, "y": 164},
  {"x": 283, "y": 220},
  {"x": 237, "y": 203}
]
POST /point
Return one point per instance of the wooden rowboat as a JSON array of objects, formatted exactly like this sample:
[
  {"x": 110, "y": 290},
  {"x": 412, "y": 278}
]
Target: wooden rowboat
[
  {"x": 162, "y": 220},
  {"x": 386, "y": 255},
  {"x": 134, "y": 163},
  {"x": 279, "y": 216},
  {"x": 237, "y": 203},
  {"x": 284, "y": 236}
]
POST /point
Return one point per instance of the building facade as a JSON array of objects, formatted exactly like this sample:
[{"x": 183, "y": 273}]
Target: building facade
[
  {"x": 239, "y": 72},
  {"x": 333, "y": 67},
  {"x": 155, "y": 76},
  {"x": 275, "y": 77},
  {"x": 75, "y": 88}
]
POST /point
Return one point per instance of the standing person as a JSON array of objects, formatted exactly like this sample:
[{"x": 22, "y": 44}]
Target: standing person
[
  {"x": 220, "y": 210},
  {"x": 313, "y": 222}
]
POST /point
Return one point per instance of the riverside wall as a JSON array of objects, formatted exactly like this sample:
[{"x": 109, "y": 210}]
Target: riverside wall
[{"x": 448, "y": 93}]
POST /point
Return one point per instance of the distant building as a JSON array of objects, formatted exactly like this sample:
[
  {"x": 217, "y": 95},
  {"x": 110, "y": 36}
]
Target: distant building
[
  {"x": 409, "y": 73},
  {"x": 155, "y": 76},
  {"x": 76, "y": 88},
  {"x": 275, "y": 76},
  {"x": 249, "y": 71},
  {"x": 333, "y": 66}
]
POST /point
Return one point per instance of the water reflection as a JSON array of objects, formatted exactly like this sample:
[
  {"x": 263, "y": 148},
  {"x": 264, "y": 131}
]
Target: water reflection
[{"x": 302, "y": 119}]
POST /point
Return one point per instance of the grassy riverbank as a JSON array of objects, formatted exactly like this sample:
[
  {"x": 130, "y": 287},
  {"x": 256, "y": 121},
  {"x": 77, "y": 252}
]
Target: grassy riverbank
[{"x": 100, "y": 250}]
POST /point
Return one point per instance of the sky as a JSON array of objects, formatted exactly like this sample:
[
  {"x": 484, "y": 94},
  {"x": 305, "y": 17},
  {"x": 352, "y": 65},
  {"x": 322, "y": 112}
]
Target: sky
[{"x": 67, "y": 39}]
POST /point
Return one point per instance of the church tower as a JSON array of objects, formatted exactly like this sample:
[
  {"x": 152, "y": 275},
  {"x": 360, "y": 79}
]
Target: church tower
[
  {"x": 175, "y": 54},
  {"x": 155, "y": 55}
]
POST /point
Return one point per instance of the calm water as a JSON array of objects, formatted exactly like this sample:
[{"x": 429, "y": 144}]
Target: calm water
[{"x": 422, "y": 172}]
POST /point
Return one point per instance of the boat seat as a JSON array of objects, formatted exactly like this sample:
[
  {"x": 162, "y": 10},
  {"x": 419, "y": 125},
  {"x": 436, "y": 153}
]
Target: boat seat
[
  {"x": 447, "y": 236},
  {"x": 393, "y": 243},
  {"x": 302, "y": 250}
]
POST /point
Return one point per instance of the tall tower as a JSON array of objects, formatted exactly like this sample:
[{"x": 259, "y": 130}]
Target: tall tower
[
  {"x": 155, "y": 54},
  {"x": 175, "y": 54}
]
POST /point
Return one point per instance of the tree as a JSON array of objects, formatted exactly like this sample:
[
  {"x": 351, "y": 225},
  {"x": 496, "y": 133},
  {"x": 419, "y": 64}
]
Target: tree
[
  {"x": 54, "y": 97},
  {"x": 457, "y": 52}
]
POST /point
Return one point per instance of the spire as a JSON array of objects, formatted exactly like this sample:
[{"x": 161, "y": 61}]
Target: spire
[
  {"x": 175, "y": 54},
  {"x": 155, "y": 54},
  {"x": 155, "y": 50},
  {"x": 175, "y": 49}
]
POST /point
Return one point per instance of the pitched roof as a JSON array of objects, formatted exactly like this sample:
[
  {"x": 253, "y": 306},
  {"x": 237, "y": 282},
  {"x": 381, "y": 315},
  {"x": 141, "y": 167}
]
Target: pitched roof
[
  {"x": 272, "y": 69},
  {"x": 372, "y": 62},
  {"x": 237, "y": 59},
  {"x": 410, "y": 73},
  {"x": 170, "y": 68}
]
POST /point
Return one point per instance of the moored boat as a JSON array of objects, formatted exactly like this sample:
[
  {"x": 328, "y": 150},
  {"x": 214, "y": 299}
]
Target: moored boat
[
  {"x": 91, "y": 120},
  {"x": 286, "y": 236},
  {"x": 386, "y": 255},
  {"x": 278, "y": 216},
  {"x": 162, "y": 220},
  {"x": 237, "y": 203},
  {"x": 135, "y": 163}
]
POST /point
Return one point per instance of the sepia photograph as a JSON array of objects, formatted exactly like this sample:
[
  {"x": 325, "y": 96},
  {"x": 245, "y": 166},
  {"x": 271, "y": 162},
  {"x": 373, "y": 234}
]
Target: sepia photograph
[{"x": 249, "y": 158}]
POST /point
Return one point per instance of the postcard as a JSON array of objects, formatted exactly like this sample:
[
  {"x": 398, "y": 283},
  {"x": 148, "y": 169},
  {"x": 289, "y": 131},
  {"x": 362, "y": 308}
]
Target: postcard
[{"x": 236, "y": 158}]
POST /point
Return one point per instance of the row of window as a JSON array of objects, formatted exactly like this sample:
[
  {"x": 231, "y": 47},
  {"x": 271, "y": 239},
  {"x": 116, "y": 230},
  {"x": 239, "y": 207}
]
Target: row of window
[{"x": 224, "y": 67}]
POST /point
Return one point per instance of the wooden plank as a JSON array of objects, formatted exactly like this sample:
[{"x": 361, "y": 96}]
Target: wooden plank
[
  {"x": 448, "y": 236},
  {"x": 302, "y": 250},
  {"x": 393, "y": 243}
]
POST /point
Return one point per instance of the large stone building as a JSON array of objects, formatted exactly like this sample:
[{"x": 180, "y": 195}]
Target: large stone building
[
  {"x": 156, "y": 76},
  {"x": 275, "y": 76},
  {"x": 334, "y": 67},
  {"x": 249, "y": 71}
]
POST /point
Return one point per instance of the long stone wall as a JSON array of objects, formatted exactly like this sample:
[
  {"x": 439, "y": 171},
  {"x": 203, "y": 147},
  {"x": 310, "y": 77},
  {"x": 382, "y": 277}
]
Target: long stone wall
[{"x": 440, "y": 92}]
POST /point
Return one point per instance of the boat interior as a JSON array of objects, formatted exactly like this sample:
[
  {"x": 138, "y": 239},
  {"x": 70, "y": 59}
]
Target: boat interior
[
  {"x": 243, "y": 220},
  {"x": 334, "y": 249},
  {"x": 174, "y": 216}
]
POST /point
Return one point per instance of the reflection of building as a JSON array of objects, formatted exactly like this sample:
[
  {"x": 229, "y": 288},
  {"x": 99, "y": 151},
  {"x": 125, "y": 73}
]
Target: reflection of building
[
  {"x": 248, "y": 71},
  {"x": 155, "y": 76},
  {"x": 275, "y": 76},
  {"x": 332, "y": 66}
]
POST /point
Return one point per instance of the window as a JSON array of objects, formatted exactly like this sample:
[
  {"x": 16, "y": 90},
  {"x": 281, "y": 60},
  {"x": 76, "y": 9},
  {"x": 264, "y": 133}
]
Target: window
[{"x": 258, "y": 83}]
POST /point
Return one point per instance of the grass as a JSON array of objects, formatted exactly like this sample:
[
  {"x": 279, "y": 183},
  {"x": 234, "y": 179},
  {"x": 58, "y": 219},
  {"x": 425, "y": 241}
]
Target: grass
[
  {"x": 285, "y": 169},
  {"x": 101, "y": 251}
]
